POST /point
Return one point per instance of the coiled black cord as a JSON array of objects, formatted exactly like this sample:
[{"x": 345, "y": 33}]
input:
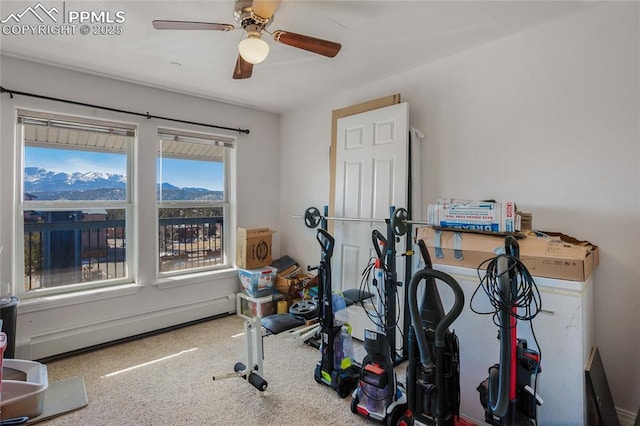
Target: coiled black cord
[
  {"x": 377, "y": 316},
  {"x": 525, "y": 296},
  {"x": 366, "y": 282}
]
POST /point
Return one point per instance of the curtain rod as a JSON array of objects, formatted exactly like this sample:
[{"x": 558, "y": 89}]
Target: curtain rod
[{"x": 147, "y": 115}]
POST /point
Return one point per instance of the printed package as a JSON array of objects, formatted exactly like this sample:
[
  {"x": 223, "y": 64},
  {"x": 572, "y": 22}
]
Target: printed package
[{"x": 485, "y": 216}]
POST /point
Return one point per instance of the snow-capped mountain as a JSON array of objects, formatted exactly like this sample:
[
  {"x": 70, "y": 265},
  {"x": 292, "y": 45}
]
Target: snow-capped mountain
[
  {"x": 37, "y": 179},
  {"x": 47, "y": 185}
]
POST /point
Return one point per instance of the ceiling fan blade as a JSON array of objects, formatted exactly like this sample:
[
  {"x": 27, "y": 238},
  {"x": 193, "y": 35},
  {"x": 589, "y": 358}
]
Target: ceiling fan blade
[
  {"x": 189, "y": 25},
  {"x": 311, "y": 44},
  {"x": 243, "y": 69},
  {"x": 265, "y": 8}
]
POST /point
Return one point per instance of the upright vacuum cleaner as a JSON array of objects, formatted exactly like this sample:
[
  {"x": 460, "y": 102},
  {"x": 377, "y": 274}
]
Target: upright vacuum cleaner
[
  {"x": 507, "y": 395},
  {"x": 433, "y": 371},
  {"x": 379, "y": 396},
  {"x": 335, "y": 368}
]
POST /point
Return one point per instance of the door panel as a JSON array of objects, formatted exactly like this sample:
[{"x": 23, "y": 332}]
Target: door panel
[
  {"x": 336, "y": 115},
  {"x": 383, "y": 187},
  {"x": 352, "y": 192}
]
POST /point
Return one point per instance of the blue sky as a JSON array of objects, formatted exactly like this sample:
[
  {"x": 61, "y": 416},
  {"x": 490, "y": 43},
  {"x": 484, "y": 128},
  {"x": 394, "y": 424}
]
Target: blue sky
[
  {"x": 189, "y": 173},
  {"x": 181, "y": 173}
]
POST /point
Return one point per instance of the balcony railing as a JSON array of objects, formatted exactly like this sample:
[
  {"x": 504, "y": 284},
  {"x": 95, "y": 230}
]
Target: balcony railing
[
  {"x": 72, "y": 252},
  {"x": 188, "y": 243}
]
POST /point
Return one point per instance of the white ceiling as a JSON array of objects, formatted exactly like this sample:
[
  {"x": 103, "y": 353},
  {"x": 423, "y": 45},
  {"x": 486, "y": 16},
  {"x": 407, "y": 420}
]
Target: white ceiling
[{"x": 379, "y": 39}]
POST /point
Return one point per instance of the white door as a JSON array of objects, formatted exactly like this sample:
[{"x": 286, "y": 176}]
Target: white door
[{"x": 371, "y": 175}]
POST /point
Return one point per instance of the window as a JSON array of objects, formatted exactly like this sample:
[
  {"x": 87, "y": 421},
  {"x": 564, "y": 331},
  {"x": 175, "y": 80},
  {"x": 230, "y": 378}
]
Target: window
[
  {"x": 75, "y": 202},
  {"x": 193, "y": 202}
]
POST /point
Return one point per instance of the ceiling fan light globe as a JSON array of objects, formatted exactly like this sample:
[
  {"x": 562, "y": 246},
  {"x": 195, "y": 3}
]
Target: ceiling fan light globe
[{"x": 253, "y": 50}]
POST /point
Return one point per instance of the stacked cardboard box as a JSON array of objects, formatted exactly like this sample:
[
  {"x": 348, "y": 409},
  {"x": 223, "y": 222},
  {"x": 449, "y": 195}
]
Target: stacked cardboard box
[
  {"x": 253, "y": 247},
  {"x": 291, "y": 281},
  {"x": 545, "y": 254}
]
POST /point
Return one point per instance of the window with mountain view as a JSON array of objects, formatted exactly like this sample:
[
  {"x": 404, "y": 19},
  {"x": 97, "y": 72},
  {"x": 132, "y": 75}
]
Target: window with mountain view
[
  {"x": 192, "y": 201},
  {"x": 76, "y": 202}
]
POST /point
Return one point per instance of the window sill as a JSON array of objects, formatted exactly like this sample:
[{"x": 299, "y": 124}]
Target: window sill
[
  {"x": 42, "y": 303},
  {"x": 195, "y": 278}
]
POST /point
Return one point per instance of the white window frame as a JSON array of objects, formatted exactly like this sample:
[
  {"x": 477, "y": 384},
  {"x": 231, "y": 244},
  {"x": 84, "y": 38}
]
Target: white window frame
[
  {"x": 228, "y": 144},
  {"x": 73, "y": 122}
]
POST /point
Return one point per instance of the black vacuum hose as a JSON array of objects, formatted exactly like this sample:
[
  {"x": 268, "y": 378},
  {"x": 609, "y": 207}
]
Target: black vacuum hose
[
  {"x": 502, "y": 403},
  {"x": 430, "y": 275}
]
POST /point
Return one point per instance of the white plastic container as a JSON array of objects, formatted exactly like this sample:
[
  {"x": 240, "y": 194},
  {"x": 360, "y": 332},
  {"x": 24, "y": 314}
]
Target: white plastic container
[
  {"x": 250, "y": 307},
  {"x": 23, "y": 397},
  {"x": 373, "y": 399},
  {"x": 343, "y": 349},
  {"x": 339, "y": 305}
]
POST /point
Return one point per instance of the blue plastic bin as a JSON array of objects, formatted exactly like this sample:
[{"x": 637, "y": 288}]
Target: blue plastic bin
[{"x": 258, "y": 282}]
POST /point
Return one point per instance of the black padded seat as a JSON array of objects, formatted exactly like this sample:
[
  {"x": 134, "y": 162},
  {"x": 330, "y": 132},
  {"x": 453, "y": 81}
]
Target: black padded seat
[
  {"x": 277, "y": 323},
  {"x": 355, "y": 295}
]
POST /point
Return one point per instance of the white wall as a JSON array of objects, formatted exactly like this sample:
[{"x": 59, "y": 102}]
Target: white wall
[
  {"x": 548, "y": 118},
  {"x": 53, "y": 325}
]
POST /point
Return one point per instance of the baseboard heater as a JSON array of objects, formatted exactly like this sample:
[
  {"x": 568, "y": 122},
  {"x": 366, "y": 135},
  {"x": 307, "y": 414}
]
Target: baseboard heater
[{"x": 89, "y": 336}]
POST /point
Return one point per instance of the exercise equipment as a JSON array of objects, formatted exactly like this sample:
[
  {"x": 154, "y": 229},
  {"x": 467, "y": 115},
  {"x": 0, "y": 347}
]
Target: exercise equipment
[
  {"x": 306, "y": 309},
  {"x": 334, "y": 369},
  {"x": 398, "y": 220},
  {"x": 507, "y": 395},
  {"x": 252, "y": 371},
  {"x": 385, "y": 261},
  {"x": 433, "y": 370},
  {"x": 309, "y": 333},
  {"x": 255, "y": 330}
]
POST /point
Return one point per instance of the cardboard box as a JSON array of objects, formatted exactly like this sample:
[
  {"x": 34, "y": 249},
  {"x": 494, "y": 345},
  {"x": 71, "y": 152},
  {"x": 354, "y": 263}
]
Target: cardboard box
[
  {"x": 526, "y": 221},
  {"x": 253, "y": 247},
  {"x": 554, "y": 255},
  {"x": 285, "y": 281},
  {"x": 292, "y": 287}
]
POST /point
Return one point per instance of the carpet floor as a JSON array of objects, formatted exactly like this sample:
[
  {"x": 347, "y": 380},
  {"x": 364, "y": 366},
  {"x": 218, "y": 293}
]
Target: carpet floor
[{"x": 166, "y": 379}]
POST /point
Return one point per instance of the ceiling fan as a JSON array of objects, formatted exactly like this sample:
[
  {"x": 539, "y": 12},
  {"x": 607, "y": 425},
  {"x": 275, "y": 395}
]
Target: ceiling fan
[{"x": 254, "y": 16}]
